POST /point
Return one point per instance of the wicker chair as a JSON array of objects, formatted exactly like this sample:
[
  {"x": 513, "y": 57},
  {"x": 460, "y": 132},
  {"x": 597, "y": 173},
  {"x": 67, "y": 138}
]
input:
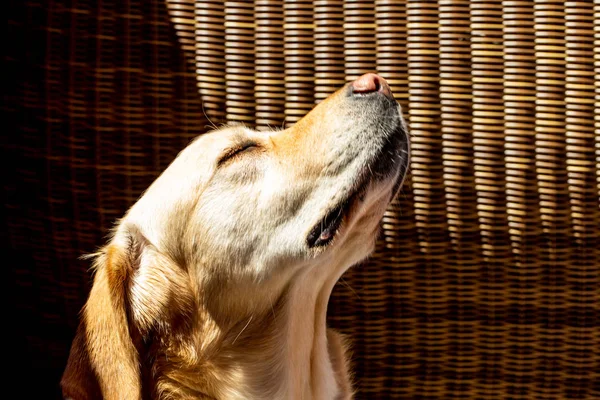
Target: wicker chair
[{"x": 486, "y": 282}]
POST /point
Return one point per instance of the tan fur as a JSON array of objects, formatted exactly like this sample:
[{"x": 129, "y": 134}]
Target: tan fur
[
  {"x": 108, "y": 338},
  {"x": 208, "y": 290}
]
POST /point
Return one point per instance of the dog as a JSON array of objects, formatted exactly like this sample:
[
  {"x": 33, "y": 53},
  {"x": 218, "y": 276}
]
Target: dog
[{"x": 215, "y": 283}]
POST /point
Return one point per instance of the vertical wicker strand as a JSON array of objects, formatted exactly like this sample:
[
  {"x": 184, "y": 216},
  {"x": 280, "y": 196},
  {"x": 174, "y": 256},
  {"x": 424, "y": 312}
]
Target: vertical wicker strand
[
  {"x": 359, "y": 27},
  {"x": 521, "y": 189},
  {"x": 398, "y": 262},
  {"x": 187, "y": 103},
  {"x": 597, "y": 114},
  {"x": 595, "y": 390},
  {"x": 76, "y": 106},
  {"x": 430, "y": 211},
  {"x": 210, "y": 58},
  {"x": 77, "y": 142},
  {"x": 127, "y": 103},
  {"x": 583, "y": 279},
  {"x": 489, "y": 169},
  {"x": 239, "y": 62},
  {"x": 269, "y": 64},
  {"x": 83, "y": 143},
  {"x": 104, "y": 102},
  {"x": 457, "y": 136},
  {"x": 160, "y": 80},
  {"x": 329, "y": 47},
  {"x": 551, "y": 179},
  {"x": 181, "y": 14},
  {"x": 299, "y": 59},
  {"x": 391, "y": 35}
]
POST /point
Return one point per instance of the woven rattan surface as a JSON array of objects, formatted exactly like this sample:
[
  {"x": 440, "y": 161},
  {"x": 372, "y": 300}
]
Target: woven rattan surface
[{"x": 486, "y": 281}]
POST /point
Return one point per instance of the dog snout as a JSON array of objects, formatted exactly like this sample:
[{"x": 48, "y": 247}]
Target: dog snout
[{"x": 370, "y": 84}]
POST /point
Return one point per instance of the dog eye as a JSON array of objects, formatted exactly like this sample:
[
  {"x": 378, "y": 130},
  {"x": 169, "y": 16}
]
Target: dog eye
[{"x": 232, "y": 152}]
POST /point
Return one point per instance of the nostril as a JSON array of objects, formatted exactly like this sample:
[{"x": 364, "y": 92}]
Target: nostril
[
  {"x": 377, "y": 84},
  {"x": 370, "y": 83}
]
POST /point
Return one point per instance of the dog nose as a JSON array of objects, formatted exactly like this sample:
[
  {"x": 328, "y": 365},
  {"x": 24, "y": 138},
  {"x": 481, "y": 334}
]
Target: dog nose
[{"x": 371, "y": 83}]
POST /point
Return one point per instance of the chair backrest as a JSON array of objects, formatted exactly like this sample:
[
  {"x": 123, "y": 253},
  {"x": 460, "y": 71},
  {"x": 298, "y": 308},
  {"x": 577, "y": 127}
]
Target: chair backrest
[{"x": 486, "y": 281}]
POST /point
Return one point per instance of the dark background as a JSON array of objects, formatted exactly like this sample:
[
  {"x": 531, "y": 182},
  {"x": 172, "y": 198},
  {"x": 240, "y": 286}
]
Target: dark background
[{"x": 97, "y": 101}]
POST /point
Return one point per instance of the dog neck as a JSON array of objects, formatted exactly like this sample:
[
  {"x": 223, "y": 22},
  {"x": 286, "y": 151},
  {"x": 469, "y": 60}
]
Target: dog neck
[
  {"x": 309, "y": 367},
  {"x": 277, "y": 348}
]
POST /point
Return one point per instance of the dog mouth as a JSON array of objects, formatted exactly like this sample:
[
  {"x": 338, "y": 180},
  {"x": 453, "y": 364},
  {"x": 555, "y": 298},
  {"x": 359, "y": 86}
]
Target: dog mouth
[
  {"x": 382, "y": 167},
  {"x": 325, "y": 230}
]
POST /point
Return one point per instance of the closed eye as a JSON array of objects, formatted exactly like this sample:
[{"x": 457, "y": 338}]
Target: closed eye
[{"x": 233, "y": 152}]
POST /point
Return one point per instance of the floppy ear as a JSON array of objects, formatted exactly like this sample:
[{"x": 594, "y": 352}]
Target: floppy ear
[
  {"x": 103, "y": 363},
  {"x": 136, "y": 290}
]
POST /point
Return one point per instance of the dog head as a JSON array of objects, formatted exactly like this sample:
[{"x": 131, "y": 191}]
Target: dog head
[
  {"x": 237, "y": 201},
  {"x": 238, "y": 212}
]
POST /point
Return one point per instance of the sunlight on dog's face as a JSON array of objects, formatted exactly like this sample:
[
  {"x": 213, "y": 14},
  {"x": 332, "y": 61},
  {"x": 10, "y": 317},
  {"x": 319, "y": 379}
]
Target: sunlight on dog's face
[
  {"x": 217, "y": 281},
  {"x": 257, "y": 202}
]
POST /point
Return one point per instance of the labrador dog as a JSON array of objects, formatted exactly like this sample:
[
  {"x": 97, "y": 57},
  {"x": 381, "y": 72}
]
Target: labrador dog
[{"x": 215, "y": 283}]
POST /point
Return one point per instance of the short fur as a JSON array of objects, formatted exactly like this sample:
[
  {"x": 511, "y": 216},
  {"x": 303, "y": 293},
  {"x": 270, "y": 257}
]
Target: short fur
[{"x": 209, "y": 287}]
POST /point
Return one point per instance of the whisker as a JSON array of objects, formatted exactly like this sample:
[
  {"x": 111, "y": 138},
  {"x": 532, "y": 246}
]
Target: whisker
[
  {"x": 343, "y": 281},
  {"x": 207, "y": 117},
  {"x": 243, "y": 329}
]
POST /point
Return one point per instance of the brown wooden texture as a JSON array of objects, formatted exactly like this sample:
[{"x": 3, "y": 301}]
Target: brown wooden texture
[{"x": 486, "y": 281}]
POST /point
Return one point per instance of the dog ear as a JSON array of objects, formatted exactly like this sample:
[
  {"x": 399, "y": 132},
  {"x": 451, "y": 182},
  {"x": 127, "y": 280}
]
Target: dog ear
[
  {"x": 79, "y": 381},
  {"x": 136, "y": 290},
  {"x": 104, "y": 362}
]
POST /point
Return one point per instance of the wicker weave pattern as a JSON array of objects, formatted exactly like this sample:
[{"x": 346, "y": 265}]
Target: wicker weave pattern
[{"x": 486, "y": 281}]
